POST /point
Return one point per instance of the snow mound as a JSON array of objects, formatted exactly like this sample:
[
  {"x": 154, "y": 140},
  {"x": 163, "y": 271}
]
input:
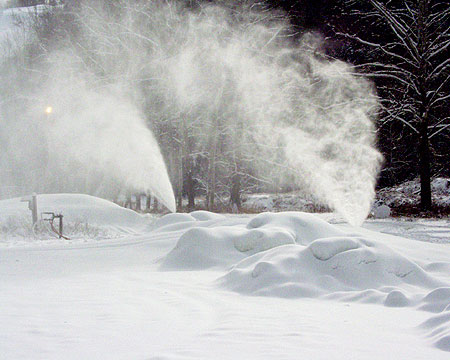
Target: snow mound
[
  {"x": 381, "y": 212},
  {"x": 305, "y": 227},
  {"x": 437, "y": 300},
  {"x": 438, "y": 328},
  {"x": 182, "y": 221},
  {"x": 290, "y": 201},
  {"x": 327, "y": 267},
  {"x": 76, "y": 207},
  {"x": 172, "y": 219},
  {"x": 259, "y": 202},
  {"x": 325, "y": 249},
  {"x": 441, "y": 186},
  {"x": 202, "y": 215},
  {"x": 83, "y": 216},
  {"x": 396, "y": 298},
  {"x": 219, "y": 246}
]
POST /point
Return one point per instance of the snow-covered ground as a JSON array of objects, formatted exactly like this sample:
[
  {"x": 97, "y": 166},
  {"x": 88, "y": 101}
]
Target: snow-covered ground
[
  {"x": 206, "y": 286},
  {"x": 398, "y": 197},
  {"x": 408, "y": 193}
]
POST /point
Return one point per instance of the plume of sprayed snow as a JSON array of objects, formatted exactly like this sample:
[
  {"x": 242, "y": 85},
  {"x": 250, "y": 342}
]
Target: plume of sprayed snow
[
  {"x": 91, "y": 140},
  {"x": 288, "y": 97},
  {"x": 232, "y": 69},
  {"x": 330, "y": 145}
]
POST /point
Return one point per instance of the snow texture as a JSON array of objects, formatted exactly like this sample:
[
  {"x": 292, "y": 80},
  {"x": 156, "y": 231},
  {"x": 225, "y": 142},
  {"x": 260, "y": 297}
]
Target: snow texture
[
  {"x": 274, "y": 285},
  {"x": 408, "y": 193}
]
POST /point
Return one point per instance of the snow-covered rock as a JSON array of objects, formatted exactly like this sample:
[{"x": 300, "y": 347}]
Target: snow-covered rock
[{"x": 381, "y": 212}]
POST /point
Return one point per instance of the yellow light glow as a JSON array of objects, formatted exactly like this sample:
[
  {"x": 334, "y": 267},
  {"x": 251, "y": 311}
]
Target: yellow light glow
[{"x": 48, "y": 110}]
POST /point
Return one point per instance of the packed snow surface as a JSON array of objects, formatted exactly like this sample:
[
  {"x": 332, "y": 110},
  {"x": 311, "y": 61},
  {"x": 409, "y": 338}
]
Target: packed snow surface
[{"x": 202, "y": 286}]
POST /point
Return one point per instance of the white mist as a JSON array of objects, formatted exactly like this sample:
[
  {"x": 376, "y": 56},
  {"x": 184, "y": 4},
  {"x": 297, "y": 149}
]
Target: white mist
[{"x": 237, "y": 69}]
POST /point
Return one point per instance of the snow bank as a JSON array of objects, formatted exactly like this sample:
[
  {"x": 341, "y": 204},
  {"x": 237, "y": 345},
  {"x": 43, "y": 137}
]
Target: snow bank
[
  {"x": 259, "y": 202},
  {"x": 200, "y": 248},
  {"x": 437, "y": 300},
  {"x": 329, "y": 266},
  {"x": 296, "y": 254},
  {"x": 170, "y": 220},
  {"x": 408, "y": 193},
  {"x": 181, "y": 221},
  {"x": 324, "y": 261},
  {"x": 84, "y": 216},
  {"x": 210, "y": 244},
  {"x": 305, "y": 227},
  {"x": 284, "y": 255},
  {"x": 438, "y": 330},
  {"x": 203, "y": 215},
  {"x": 289, "y": 201},
  {"x": 76, "y": 207}
]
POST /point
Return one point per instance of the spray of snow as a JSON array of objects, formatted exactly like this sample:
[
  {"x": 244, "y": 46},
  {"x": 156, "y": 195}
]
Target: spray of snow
[
  {"x": 287, "y": 97},
  {"x": 232, "y": 69},
  {"x": 74, "y": 135},
  {"x": 104, "y": 135}
]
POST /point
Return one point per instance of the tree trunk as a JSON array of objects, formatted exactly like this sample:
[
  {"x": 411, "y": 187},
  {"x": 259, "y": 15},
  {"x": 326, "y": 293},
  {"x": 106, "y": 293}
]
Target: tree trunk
[
  {"x": 128, "y": 203},
  {"x": 235, "y": 194},
  {"x": 424, "y": 146},
  {"x": 212, "y": 181},
  {"x": 155, "y": 205},
  {"x": 149, "y": 203},
  {"x": 180, "y": 182},
  {"x": 188, "y": 171},
  {"x": 211, "y": 191},
  {"x": 424, "y": 168},
  {"x": 190, "y": 189},
  {"x": 138, "y": 202}
]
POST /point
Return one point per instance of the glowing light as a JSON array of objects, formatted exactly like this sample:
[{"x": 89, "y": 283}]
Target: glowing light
[{"x": 48, "y": 110}]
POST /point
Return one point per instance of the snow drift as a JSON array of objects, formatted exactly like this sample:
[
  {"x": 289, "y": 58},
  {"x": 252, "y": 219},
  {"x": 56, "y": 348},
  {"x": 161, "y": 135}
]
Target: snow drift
[
  {"x": 265, "y": 279},
  {"x": 327, "y": 266},
  {"x": 298, "y": 255},
  {"x": 200, "y": 248},
  {"x": 85, "y": 217}
]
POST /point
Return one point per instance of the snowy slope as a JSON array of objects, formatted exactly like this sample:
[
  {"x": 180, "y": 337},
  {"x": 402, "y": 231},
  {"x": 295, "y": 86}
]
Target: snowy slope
[
  {"x": 13, "y": 22},
  {"x": 206, "y": 286},
  {"x": 85, "y": 218},
  {"x": 14, "y": 25}
]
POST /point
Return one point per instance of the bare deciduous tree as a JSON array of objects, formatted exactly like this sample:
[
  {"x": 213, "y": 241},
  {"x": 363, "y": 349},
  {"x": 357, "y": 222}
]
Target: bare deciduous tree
[{"x": 407, "y": 47}]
